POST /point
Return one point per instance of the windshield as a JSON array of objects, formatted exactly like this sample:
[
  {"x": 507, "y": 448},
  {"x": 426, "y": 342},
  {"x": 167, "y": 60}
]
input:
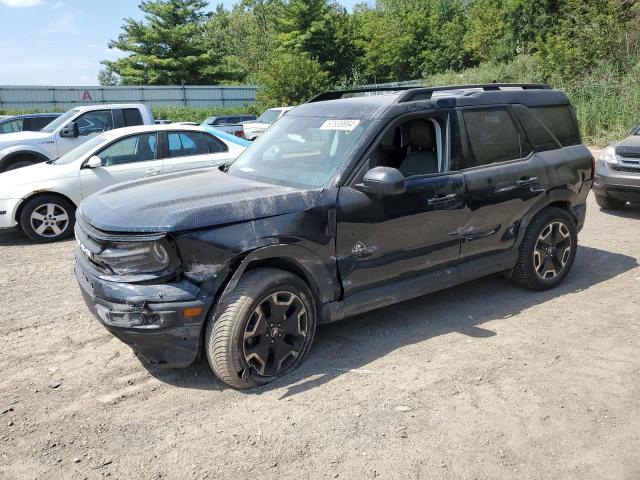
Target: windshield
[
  {"x": 300, "y": 151},
  {"x": 78, "y": 152},
  {"x": 269, "y": 116},
  {"x": 61, "y": 120}
]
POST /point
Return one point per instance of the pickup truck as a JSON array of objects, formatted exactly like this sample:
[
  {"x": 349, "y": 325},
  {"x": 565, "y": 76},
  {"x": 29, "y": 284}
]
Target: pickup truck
[{"x": 68, "y": 131}]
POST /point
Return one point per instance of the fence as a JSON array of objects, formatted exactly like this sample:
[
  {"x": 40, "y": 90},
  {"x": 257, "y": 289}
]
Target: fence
[{"x": 62, "y": 98}]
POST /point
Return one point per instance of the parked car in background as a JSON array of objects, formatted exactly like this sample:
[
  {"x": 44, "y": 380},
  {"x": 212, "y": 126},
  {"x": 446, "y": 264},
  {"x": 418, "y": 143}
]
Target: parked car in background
[
  {"x": 343, "y": 206},
  {"x": 67, "y": 132},
  {"x": 32, "y": 122},
  {"x": 617, "y": 178},
  {"x": 230, "y": 124},
  {"x": 253, "y": 129},
  {"x": 42, "y": 198}
]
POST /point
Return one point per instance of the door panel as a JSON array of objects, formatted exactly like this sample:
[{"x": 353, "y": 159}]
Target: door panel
[
  {"x": 381, "y": 239},
  {"x": 498, "y": 196}
]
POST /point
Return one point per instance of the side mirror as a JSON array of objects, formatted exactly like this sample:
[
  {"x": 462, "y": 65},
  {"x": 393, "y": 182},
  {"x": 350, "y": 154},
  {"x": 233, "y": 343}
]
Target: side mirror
[
  {"x": 93, "y": 162},
  {"x": 383, "y": 181},
  {"x": 70, "y": 130}
]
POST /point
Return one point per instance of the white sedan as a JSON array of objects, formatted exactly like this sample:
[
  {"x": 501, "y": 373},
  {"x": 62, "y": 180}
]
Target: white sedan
[{"x": 42, "y": 198}]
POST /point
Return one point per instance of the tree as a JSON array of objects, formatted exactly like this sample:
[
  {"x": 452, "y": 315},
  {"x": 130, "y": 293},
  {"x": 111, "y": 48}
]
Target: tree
[
  {"x": 291, "y": 78},
  {"x": 167, "y": 48},
  {"x": 108, "y": 78}
]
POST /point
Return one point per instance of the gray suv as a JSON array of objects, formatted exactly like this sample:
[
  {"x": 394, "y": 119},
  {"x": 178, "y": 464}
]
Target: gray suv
[{"x": 617, "y": 179}]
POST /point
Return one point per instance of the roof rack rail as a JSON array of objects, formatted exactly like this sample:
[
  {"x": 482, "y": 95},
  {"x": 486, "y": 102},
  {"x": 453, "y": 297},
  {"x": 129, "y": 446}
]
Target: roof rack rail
[{"x": 410, "y": 93}]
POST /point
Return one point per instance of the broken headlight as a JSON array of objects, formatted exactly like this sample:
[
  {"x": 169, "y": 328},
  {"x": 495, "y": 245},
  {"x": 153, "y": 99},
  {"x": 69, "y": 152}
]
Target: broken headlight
[{"x": 128, "y": 258}]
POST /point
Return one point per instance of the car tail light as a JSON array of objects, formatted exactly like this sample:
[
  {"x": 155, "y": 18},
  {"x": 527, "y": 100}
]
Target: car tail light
[{"x": 239, "y": 133}]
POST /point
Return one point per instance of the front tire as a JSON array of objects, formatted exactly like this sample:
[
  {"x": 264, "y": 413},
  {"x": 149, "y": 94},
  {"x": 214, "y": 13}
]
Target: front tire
[
  {"x": 547, "y": 251},
  {"x": 264, "y": 330},
  {"x": 608, "y": 203},
  {"x": 48, "y": 218}
]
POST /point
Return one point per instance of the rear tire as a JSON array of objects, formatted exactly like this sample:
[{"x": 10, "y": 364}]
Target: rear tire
[
  {"x": 547, "y": 251},
  {"x": 19, "y": 164},
  {"x": 608, "y": 203},
  {"x": 47, "y": 218},
  {"x": 264, "y": 330}
]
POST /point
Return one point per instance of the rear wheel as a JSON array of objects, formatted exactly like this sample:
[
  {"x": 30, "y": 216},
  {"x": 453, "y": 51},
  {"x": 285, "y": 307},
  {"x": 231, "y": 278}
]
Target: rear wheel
[
  {"x": 47, "y": 218},
  {"x": 19, "y": 164},
  {"x": 547, "y": 251},
  {"x": 609, "y": 203},
  {"x": 264, "y": 330}
]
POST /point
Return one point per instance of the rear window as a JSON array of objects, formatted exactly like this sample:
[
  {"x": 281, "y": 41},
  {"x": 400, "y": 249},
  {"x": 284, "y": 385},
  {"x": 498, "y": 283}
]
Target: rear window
[
  {"x": 132, "y": 117},
  {"x": 560, "y": 121},
  {"x": 494, "y": 137},
  {"x": 538, "y": 133}
]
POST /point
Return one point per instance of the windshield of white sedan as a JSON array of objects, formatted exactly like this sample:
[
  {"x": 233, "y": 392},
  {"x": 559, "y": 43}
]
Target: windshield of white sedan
[
  {"x": 79, "y": 151},
  {"x": 61, "y": 120},
  {"x": 300, "y": 151}
]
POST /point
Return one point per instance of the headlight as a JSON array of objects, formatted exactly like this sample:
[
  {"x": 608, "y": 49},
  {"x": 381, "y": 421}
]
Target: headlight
[
  {"x": 128, "y": 258},
  {"x": 608, "y": 155}
]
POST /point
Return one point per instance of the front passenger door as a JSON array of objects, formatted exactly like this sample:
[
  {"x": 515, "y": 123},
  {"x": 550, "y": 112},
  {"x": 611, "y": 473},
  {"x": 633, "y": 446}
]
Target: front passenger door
[{"x": 129, "y": 158}]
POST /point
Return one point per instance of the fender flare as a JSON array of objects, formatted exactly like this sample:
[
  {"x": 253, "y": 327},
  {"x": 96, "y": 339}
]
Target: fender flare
[
  {"x": 11, "y": 152},
  {"x": 304, "y": 262},
  {"x": 562, "y": 194}
]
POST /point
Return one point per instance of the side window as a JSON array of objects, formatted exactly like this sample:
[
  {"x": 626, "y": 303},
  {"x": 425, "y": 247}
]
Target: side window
[
  {"x": 538, "y": 133},
  {"x": 184, "y": 144},
  {"x": 38, "y": 123},
  {"x": 215, "y": 145},
  {"x": 560, "y": 121},
  {"x": 493, "y": 137},
  {"x": 93, "y": 122},
  {"x": 12, "y": 126},
  {"x": 137, "y": 148},
  {"x": 132, "y": 117}
]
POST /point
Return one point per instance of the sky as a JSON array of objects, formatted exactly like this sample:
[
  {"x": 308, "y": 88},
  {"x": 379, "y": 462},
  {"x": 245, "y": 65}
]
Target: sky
[{"x": 61, "y": 42}]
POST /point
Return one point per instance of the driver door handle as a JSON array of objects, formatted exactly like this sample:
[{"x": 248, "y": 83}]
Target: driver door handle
[{"x": 441, "y": 200}]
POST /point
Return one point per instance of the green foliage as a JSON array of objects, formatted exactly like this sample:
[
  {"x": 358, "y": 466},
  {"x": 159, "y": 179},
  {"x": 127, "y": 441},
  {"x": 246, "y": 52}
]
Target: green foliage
[
  {"x": 290, "y": 79},
  {"x": 167, "y": 48}
]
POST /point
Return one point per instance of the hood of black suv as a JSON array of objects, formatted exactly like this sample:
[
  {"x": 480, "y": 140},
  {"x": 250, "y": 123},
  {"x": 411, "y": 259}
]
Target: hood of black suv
[{"x": 190, "y": 200}]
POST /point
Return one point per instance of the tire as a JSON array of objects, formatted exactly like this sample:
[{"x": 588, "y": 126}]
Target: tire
[
  {"x": 543, "y": 259},
  {"x": 47, "y": 218},
  {"x": 238, "y": 339},
  {"x": 19, "y": 164},
  {"x": 608, "y": 203}
]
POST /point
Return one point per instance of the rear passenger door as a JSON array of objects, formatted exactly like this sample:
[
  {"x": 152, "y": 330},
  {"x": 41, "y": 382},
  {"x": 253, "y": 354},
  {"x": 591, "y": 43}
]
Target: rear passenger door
[
  {"x": 187, "y": 149},
  {"x": 503, "y": 176}
]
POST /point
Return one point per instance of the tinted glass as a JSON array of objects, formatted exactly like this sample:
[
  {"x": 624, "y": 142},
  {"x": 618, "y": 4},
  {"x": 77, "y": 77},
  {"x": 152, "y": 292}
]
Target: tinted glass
[
  {"x": 184, "y": 144},
  {"x": 11, "y": 127},
  {"x": 138, "y": 148},
  {"x": 132, "y": 117},
  {"x": 93, "y": 122},
  {"x": 38, "y": 123},
  {"x": 215, "y": 145},
  {"x": 493, "y": 137},
  {"x": 538, "y": 133},
  {"x": 561, "y": 123}
]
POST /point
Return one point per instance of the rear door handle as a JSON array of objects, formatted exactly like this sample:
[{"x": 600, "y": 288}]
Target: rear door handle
[
  {"x": 525, "y": 182},
  {"x": 152, "y": 171},
  {"x": 441, "y": 200}
]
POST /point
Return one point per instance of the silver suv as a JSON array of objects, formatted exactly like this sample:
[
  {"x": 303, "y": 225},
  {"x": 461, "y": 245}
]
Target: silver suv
[{"x": 617, "y": 179}]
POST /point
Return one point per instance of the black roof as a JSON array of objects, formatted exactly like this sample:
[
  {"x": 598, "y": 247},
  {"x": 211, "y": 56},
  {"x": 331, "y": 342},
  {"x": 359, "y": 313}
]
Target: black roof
[{"x": 389, "y": 102}]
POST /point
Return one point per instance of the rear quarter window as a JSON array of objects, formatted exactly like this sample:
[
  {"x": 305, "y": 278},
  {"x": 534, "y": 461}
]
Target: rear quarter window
[
  {"x": 132, "y": 117},
  {"x": 560, "y": 120}
]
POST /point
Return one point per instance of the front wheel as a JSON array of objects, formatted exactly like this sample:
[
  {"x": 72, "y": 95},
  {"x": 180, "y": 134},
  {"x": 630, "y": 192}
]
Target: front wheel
[
  {"x": 264, "y": 329},
  {"x": 47, "y": 218},
  {"x": 547, "y": 251}
]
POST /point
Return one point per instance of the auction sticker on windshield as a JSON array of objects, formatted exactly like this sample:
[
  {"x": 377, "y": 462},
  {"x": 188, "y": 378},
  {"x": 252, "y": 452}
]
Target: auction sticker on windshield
[{"x": 346, "y": 125}]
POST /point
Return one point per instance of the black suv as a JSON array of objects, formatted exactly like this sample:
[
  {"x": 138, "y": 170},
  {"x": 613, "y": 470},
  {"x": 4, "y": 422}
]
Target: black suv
[{"x": 352, "y": 201}]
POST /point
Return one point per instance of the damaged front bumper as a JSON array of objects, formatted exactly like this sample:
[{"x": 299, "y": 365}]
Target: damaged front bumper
[{"x": 161, "y": 323}]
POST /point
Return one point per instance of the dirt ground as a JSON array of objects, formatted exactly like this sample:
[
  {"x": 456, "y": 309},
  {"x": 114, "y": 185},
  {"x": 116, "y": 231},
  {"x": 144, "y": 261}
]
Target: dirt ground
[{"x": 485, "y": 380}]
